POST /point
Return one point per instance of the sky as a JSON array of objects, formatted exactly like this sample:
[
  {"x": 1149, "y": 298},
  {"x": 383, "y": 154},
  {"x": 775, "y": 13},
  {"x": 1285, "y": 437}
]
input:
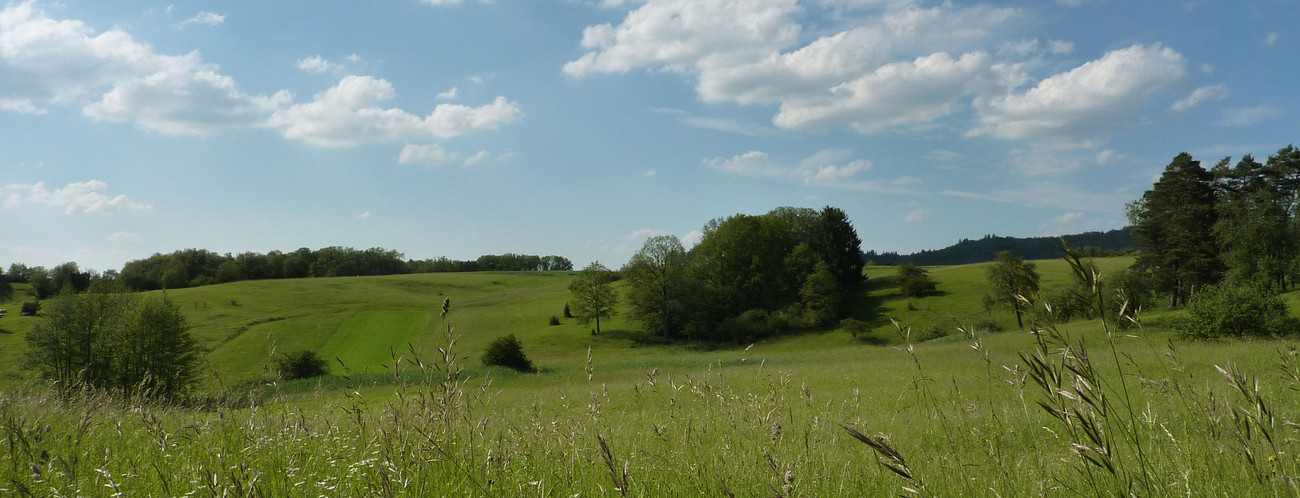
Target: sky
[{"x": 581, "y": 127}]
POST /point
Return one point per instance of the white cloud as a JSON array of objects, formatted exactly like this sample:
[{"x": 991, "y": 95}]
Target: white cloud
[
  {"x": 61, "y": 62},
  {"x": 430, "y": 155},
  {"x": 1270, "y": 39},
  {"x": 1094, "y": 96},
  {"x": 691, "y": 238},
  {"x": 363, "y": 216},
  {"x": 23, "y": 106},
  {"x": 1248, "y": 116},
  {"x": 895, "y": 95},
  {"x": 752, "y": 163},
  {"x": 208, "y": 18},
  {"x": 476, "y": 158},
  {"x": 1108, "y": 156},
  {"x": 1060, "y": 47},
  {"x": 447, "y": 95},
  {"x": 716, "y": 124},
  {"x": 317, "y": 64},
  {"x": 1202, "y": 94},
  {"x": 77, "y": 197},
  {"x": 749, "y": 53},
  {"x": 649, "y": 173},
  {"x": 349, "y": 114},
  {"x": 833, "y": 168},
  {"x": 643, "y": 234},
  {"x": 916, "y": 215}
]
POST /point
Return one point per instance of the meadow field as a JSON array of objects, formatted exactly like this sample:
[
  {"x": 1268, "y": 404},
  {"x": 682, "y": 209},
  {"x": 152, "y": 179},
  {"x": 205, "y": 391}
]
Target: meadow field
[{"x": 938, "y": 405}]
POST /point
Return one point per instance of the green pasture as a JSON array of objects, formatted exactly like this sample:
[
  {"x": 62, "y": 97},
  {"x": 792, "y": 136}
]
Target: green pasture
[{"x": 639, "y": 419}]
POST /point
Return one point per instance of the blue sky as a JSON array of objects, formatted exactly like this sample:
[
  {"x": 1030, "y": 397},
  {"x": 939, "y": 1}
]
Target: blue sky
[{"x": 579, "y": 128}]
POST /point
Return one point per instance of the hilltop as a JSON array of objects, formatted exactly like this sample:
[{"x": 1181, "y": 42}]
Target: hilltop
[{"x": 967, "y": 251}]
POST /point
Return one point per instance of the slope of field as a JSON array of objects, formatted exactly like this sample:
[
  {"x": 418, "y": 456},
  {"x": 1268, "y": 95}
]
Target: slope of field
[{"x": 952, "y": 417}]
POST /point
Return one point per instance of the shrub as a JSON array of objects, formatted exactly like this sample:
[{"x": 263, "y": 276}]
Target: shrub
[
  {"x": 914, "y": 281},
  {"x": 302, "y": 364},
  {"x": 567, "y": 312},
  {"x": 555, "y": 320},
  {"x": 31, "y": 308},
  {"x": 1235, "y": 311},
  {"x": 507, "y": 352},
  {"x": 856, "y": 328}
]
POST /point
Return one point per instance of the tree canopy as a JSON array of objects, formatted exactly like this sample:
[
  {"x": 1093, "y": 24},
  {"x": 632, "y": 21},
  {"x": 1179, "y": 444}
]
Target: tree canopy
[{"x": 593, "y": 294}]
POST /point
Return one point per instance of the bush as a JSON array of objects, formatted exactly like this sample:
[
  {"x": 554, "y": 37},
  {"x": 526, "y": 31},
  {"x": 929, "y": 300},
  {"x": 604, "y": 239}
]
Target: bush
[
  {"x": 914, "y": 281},
  {"x": 856, "y": 328},
  {"x": 555, "y": 320},
  {"x": 31, "y": 308},
  {"x": 507, "y": 352},
  {"x": 302, "y": 364},
  {"x": 1235, "y": 311}
]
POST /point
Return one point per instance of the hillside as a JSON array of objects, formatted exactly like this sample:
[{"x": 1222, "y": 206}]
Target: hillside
[
  {"x": 361, "y": 322},
  {"x": 987, "y": 248}
]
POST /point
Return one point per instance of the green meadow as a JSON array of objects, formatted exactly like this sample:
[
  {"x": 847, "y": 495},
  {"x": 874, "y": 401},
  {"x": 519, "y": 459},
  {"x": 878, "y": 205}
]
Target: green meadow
[{"x": 943, "y": 408}]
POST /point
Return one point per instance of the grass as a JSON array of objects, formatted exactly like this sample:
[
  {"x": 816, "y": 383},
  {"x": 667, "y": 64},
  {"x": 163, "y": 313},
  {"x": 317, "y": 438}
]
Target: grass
[{"x": 960, "y": 416}]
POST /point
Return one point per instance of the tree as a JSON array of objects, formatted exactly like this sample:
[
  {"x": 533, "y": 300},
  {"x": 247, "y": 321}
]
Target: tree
[
  {"x": 1014, "y": 280},
  {"x": 109, "y": 339},
  {"x": 6, "y": 290},
  {"x": 593, "y": 294},
  {"x": 838, "y": 245},
  {"x": 821, "y": 296},
  {"x": 656, "y": 277},
  {"x": 914, "y": 281},
  {"x": 155, "y": 354},
  {"x": 1173, "y": 227},
  {"x": 1254, "y": 227}
]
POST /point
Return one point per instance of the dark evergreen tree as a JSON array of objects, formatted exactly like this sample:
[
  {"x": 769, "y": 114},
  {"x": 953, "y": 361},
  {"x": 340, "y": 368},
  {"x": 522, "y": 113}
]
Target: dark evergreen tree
[{"x": 1173, "y": 226}]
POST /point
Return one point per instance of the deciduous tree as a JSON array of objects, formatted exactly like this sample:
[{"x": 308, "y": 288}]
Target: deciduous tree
[
  {"x": 1013, "y": 281},
  {"x": 593, "y": 294}
]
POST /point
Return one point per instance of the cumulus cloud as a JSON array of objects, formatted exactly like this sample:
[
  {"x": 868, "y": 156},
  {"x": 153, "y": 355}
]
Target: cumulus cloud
[
  {"x": 349, "y": 114},
  {"x": 750, "y": 53},
  {"x": 23, "y": 106},
  {"x": 1093, "y": 96},
  {"x": 49, "y": 61},
  {"x": 476, "y": 158},
  {"x": 447, "y": 95},
  {"x": 317, "y": 64},
  {"x": 74, "y": 198},
  {"x": 1202, "y": 94}
]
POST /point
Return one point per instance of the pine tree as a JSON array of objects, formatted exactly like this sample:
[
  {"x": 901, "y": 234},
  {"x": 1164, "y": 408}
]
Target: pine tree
[{"x": 1173, "y": 226}]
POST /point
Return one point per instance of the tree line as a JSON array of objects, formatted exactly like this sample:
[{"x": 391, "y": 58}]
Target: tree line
[
  {"x": 749, "y": 277},
  {"x": 985, "y": 249},
  {"x": 198, "y": 267}
]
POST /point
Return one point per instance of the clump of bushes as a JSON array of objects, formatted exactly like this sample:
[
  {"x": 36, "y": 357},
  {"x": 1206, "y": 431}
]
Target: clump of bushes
[
  {"x": 555, "y": 320},
  {"x": 1235, "y": 311},
  {"x": 507, "y": 352},
  {"x": 914, "y": 281},
  {"x": 31, "y": 308},
  {"x": 302, "y": 364}
]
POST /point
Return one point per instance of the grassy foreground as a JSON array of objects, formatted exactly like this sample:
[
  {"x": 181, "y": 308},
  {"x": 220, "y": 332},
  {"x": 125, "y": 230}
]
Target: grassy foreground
[{"x": 957, "y": 416}]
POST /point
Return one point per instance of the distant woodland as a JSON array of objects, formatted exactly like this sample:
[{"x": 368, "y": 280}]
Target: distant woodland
[{"x": 1092, "y": 244}]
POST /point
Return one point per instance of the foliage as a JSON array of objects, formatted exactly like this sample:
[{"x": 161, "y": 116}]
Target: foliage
[
  {"x": 657, "y": 284},
  {"x": 1014, "y": 281},
  {"x": 914, "y": 281},
  {"x": 1173, "y": 226},
  {"x": 856, "y": 328},
  {"x": 31, "y": 308},
  {"x": 555, "y": 320},
  {"x": 821, "y": 296},
  {"x": 301, "y": 364},
  {"x": 568, "y": 313},
  {"x": 986, "y": 248},
  {"x": 593, "y": 294},
  {"x": 6, "y": 289},
  {"x": 507, "y": 352},
  {"x": 1236, "y": 311},
  {"x": 109, "y": 339}
]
